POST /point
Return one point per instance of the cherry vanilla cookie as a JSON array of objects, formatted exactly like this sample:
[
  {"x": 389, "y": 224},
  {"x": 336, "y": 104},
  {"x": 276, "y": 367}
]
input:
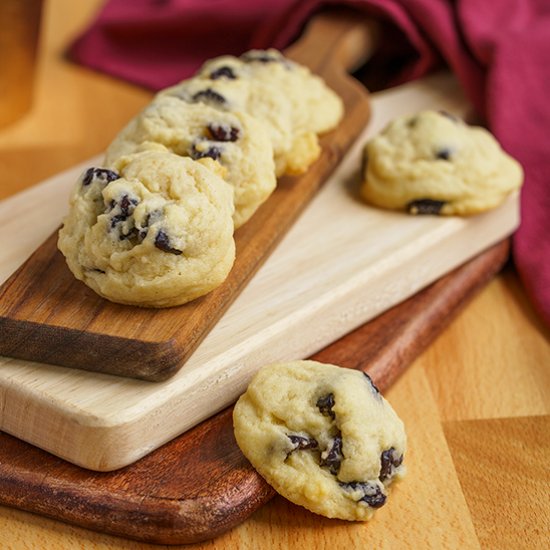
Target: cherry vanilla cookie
[
  {"x": 255, "y": 98},
  {"x": 155, "y": 232},
  {"x": 322, "y": 436},
  {"x": 434, "y": 163},
  {"x": 235, "y": 140},
  {"x": 272, "y": 79}
]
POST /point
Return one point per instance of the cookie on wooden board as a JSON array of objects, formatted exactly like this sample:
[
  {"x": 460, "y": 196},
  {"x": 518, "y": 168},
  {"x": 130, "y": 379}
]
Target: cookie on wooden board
[
  {"x": 322, "y": 436},
  {"x": 434, "y": 163},
  {"x": 273, "y": 79},
  {"x": 156, "y": 232},
  {"x": 234, "y": 139}
]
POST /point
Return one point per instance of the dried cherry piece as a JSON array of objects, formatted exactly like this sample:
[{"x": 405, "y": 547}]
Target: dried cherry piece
[
  {"x": 209, "y": 95},
  {"x": 390, "y": 459},
  {"x": 127, "y": 206},
  {"x": 443, "y": 154},
  {"x": 425, "y": 206},
  {"x": 372, "y": 493},
  {"x": 162, "y": 242},
  {"x": 102, "y": 174},
  {"x": 214, "y": 152},
  {"x": 301, "y": 442},
  {"x": 223, "y": 72},
  {"x": 223, "y": 132},
  {"x": 325, "y": 404},
  {"x": 261, "y": 57},
  {"x": 332, "y": 458}
]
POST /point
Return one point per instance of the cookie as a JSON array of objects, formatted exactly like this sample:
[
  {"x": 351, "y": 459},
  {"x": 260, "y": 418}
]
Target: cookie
[
  {"x": 322, "y": 436},
  {"x": 157, "y": 232},
  {"x": 315, "y": 108},
  {"x": 434, "y": 163},
  {"x": 197, "y": 130},
  {"x": 258, "y": 100}
]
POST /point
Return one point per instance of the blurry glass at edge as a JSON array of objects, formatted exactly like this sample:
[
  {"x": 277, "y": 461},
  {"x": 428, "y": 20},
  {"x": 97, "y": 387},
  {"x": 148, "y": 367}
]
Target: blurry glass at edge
[{"x": 19, "y": 30}]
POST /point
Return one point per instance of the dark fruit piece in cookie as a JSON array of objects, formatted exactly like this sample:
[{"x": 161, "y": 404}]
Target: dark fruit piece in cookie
[
  {"x": 443, "y": 154},
  {"x": 133, "y": 235},
  {"x": 371, "y": 384},
  {"x": 332, "y": 458},
  {"x": 390, "y": 460},
  {"x": 162, "y": 242},
  {"x": 301, "y": 442},
  {"x": 150, "y": 219},
  {"x": 325, "y": 404},
  {"x": 209, "y": 95},
  {"x": 261, "y": 57},
  {"x": 223, "y": 72},
  {"x": 373, "y": 495},
  {"x": 127, "y": 205},
  {"x": 214, "y": 152},
  {"x": 138, "y": 234},
  {"x": 425, "y": 206},
  {"x": 126, "y": 208},
  {"x": 102, "y": 174},
  {"x": 223, "y": 132}
]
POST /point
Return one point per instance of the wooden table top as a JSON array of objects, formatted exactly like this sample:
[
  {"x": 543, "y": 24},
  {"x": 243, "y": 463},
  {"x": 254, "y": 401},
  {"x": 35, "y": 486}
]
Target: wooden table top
[{"x": 476, "y": 404}]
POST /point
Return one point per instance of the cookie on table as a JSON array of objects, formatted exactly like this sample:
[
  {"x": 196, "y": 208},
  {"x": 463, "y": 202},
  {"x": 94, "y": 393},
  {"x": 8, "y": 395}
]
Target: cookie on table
[
  {"x": 315, "y": 107},
  {"x": 235, "y": 140},
  {"x": 322, "y": 436},
  {"x": 434, "y": 163},
  {"x": 262, "y": 102},
  {"x": 157, "y": 232}
]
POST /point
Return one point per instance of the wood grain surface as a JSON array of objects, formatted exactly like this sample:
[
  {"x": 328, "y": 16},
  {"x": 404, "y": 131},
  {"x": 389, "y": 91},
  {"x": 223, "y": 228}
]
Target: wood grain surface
[
  {"x": 324, "y": 279},
  {"x": 476, "y": 403},
  {"x": 47, "y": 315},
  {"x": 200, "y": 485}
]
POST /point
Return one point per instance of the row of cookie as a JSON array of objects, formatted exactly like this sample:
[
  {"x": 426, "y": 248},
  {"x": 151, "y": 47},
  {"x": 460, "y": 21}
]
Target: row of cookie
[
  {"x": 258, "y": 115},
  {"x": 154, "y": 225}
]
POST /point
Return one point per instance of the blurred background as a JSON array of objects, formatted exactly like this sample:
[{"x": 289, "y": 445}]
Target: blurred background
[{"x": 75, "y": 112}]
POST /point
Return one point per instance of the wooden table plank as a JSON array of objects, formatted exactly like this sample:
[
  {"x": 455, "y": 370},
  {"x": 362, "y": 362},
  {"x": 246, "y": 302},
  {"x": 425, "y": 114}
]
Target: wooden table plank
[
  {"x": 495, "y": 359},
  {"x": 509, "y": 507}
]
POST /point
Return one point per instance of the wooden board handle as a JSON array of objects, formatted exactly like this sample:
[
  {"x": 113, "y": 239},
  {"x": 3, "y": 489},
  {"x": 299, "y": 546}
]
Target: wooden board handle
[{"x": 347, "y": 42}]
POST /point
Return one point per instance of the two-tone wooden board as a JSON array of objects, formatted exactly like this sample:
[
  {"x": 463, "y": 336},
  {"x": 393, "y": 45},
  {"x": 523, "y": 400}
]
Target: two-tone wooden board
[
  {"x": 342, "y": 264},
  {"x": 339, "y": 266},
  {"x": 200, "y": 485}
]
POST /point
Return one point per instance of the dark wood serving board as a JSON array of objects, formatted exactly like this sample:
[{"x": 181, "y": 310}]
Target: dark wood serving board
[
  {"x": 200, "y": 485},
  {"x": 46, "y": 315}
]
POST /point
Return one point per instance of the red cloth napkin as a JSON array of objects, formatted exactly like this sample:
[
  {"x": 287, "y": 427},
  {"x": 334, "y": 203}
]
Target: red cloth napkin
[{"x": 498, "y": 50}]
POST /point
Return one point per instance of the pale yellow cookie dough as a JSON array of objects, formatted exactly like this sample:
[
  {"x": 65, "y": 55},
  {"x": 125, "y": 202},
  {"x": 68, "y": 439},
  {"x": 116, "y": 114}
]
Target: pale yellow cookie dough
[
  {"x": 234, "y": 139},
  {"x": 434, "y": 163},
  {"x": 322, "y": 436},
  {"x": 156, "y": 233},
  {"x": 253, "y": 97},
  {"x": 314, "y": 107}
]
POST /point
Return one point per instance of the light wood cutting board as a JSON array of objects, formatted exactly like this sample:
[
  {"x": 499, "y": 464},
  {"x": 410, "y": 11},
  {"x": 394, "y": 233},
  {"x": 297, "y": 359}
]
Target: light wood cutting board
[{"x": 342, "y": 264}]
